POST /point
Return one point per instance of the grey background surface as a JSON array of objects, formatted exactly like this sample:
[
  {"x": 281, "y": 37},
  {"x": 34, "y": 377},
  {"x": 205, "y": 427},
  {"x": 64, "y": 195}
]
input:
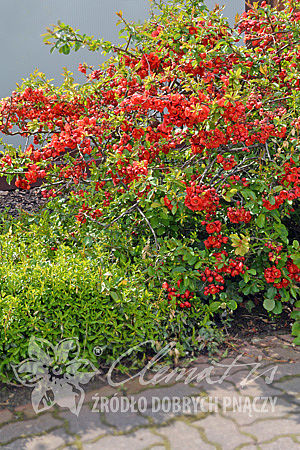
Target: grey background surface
[{"x": 23, "y": 21}]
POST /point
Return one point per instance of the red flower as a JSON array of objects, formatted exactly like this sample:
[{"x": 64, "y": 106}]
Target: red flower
[
  {"x": 193, "y": 30},
  {"x": 271, "y": 274},
  {"x": 213, "y": 227}
]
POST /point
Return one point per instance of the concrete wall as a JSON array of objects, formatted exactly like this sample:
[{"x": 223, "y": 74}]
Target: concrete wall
[{"x": 23, "y": 21}]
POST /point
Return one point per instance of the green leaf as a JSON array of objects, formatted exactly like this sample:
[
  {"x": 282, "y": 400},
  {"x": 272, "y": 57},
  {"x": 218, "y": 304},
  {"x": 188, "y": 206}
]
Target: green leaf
[
  {"x": 296, "y": 341},
  {"x": 296, "y": 329},
  {"x": 242, "y": 244},
  {"x": 281, "y": 230},
  {"x": 278, "y": 307},
  {"x": 295, "y": 315},
  {"x": 77, "y": 45},
  {"x": 65, "y": 49},
  {"x": 252, "y": 271},
  {"x": 296, "y": 258},
  {"x": 179, "y": 269},
  {"x": 260, "y": 221},
  {"x": 269, "y": 304},
  {"x": 230, "y": 194},
  {"x": 232, "y": 304},
  {"x": 151, "y": 271},
  {"x": 248, "y": 194},
  {"x": 246, "y": 277},
  {"x": 271, "y": 292},
  {"x": 214, "y": 306},
  {"x": 272, "y": 200},
  {"x": 114, "y": 295}
]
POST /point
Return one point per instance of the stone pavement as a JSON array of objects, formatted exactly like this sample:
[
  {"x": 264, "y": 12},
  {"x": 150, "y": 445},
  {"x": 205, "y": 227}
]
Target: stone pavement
[{"x": 205, "y": 409}]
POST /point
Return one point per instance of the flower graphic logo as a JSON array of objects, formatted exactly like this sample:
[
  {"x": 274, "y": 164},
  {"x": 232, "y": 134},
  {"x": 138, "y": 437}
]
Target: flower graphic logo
[{"x": 55, "y": 373}]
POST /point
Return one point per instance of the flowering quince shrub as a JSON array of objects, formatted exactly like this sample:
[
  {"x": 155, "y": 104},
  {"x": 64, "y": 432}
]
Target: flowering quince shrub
[{"x": 187, "y": 142}]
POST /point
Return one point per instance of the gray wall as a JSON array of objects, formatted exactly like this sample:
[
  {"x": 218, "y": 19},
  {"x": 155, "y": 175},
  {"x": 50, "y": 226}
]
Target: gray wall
[{"x": 23, "y": 21}]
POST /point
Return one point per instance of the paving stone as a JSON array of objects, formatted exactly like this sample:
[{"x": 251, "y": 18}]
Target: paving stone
[
  {"x": 283, "y": 353},
  {"x": 281, "y": 444},
  {"x": 221, "y": 391},
  {"x": 258, "y": 388},
  {"x": 184, "y": 375},
  {"x": 243, "y": 416},
  {"x": 291, "y": 386},
  {"x": 105, "y": 391},
  {"x": 160, "y": 417},
  {"x": 87, "y": 425},
  {"x": 251, "y": 447},
  {"x": 182, "y": 436},
  {"x": 26, "y": 411},
  {"x": 238, "y": 378},
  {"x": 51, "y": 441},
  {"x": 215, "y": 412},
  {"x": 266, "y": 341},
  {"x": 286, "y": 337},
  {"x": 223, "y": 432},
  {"x": 23, "y": 428},
  {"x": 206, "y": 378},
  {"x": 268, "y": 429},
  {"x": 124, "y": 421},
  {"x": 139, "y": 440},
  {"x": 284, "y": 370},
  {"x": 196, "y": 406},
  {"x": 5, "y": 416},
  {"x": 249, "y": 353},
  {"x": 179, "y": 390},
  {"x": 217, "y": 373},
  {"x": 134, "y": 386}
]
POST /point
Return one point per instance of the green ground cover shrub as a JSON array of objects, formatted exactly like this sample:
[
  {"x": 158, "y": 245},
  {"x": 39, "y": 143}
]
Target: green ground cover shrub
[{"x": 55, "y": 287}]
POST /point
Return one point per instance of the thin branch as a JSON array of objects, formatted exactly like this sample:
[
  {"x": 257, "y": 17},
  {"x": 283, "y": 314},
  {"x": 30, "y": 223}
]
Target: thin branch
[
  {"x": 149, "y": 225},
  {"x": 121, "y": 215}
]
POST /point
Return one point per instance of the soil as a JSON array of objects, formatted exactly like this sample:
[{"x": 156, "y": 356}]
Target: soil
[
  {"x": 14, "y": 202},
  {"x": 246, "y": 325}
]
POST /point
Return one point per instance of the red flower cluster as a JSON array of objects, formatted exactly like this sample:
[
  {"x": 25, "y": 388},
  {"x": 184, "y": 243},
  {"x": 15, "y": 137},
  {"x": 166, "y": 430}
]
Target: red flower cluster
[
  {"x": 280, "y": 199},
  {"x": 201, "y": 198},
  {"x": 169, "y": 204},
  {"x": 294, "y": 274},
  {"x": 213, "y": 227},
  {"x": 272, "y": 274},
  {"x": 182, "y": 298},
  {"x": 193, "y": 30},
  {"x": 227, "y": 163},
  {"x": 86, "y": 211},
  {"x": 233, "y": 268},
  {"x": 294, "y": 271},
  {"x": 236, "y": 215},
  {"x": 215, "y": 241},
  {"x": 6, "y": 160}
]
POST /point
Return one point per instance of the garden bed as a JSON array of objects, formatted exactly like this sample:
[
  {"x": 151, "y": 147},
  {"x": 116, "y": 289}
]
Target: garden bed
[{"x": 14, "y": 201}]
